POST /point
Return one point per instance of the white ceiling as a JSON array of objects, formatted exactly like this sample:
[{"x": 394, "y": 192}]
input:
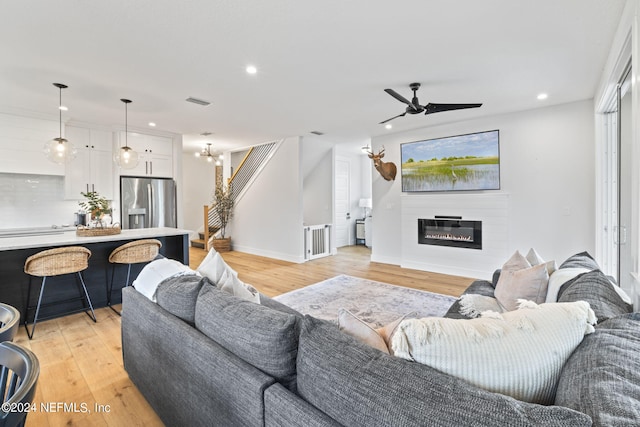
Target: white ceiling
[{"x": 322, "y": 65}]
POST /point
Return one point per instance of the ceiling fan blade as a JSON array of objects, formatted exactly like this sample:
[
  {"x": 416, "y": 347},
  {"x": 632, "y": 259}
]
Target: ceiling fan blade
[
  {"x": 399, "y": 97},
  {"x": 437, "y": 108},
  {"x": 395, "y": 117}
]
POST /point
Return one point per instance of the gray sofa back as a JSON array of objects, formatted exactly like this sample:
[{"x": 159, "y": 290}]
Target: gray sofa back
[
  {"x": 262, "y": 336},
  {"x": 357, "y": 385},
  {"x": 188, "y": 379}
]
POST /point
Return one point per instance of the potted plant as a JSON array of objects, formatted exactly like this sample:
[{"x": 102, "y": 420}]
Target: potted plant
[
  {"x": 97, "y": 206},
  {"x": 223, "y": 206}
]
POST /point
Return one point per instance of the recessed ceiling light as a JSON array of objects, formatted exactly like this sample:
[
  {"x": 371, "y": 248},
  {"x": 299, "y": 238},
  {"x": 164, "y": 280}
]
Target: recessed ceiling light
[
  {"x": 63, "y": 108},
  {"x": 251, "y": 69},
  {"x": 388, "y": 126},
  {"x": 542, "y": 96},
  {"x": 152, "y": 124}
]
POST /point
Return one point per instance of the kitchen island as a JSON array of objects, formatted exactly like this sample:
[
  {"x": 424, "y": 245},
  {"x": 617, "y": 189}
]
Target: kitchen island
[{"x": 15, "y": 250}]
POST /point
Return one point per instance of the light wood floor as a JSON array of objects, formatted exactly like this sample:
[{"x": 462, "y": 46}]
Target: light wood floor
[{"x": 81, "y": 369}]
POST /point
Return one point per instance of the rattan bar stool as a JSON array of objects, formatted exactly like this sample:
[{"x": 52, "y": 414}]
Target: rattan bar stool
[
  {"x": 56, "y": 262},
  {"x": 136, "y": 252}
]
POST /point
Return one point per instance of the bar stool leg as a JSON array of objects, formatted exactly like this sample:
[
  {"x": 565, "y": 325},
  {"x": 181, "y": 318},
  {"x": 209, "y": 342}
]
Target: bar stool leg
[
  {"x": 35, "y": 319},
  {"x": 110, "y": 286},
  {"x": 26, "y": 306},
  {"x": 128, "y": 275},
  {"x": 86, "y": 294}
]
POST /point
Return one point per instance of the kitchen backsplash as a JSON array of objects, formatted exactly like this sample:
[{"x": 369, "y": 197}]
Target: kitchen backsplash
[{"x": 34, "y": 201}]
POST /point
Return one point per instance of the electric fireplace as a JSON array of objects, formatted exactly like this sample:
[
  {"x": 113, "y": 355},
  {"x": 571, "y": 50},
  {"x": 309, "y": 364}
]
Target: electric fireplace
[{"x": 450, "y": 231}]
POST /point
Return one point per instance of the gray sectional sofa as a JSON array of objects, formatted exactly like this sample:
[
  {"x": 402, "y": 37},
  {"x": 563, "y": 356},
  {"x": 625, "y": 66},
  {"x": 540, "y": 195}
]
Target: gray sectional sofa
[{"x": 202, "y": 357}]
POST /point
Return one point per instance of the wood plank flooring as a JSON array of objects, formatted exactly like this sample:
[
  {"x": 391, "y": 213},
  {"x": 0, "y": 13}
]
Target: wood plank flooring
[{"x": 82, "y": 379}]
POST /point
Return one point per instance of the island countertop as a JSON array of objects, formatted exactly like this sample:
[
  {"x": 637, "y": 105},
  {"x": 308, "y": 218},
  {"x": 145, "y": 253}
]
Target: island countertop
[
  {"x": 68, "y": 237},
  {"x": 99, "y": 274}
]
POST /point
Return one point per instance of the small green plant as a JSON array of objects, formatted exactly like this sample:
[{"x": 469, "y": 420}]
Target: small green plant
[
  {"x": 223, "y": 205},
  {"x": 95, "y": 204}
]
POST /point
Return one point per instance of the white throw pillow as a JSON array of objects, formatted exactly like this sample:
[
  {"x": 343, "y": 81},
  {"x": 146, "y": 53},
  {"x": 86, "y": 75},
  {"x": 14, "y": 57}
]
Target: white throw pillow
[
  {"x": 518, "y": 353},
  {"x": 534, "y": 258},
  {"x": 559, "y": 278},
  {"x": 214, "y": 268},
  {"x": 155, "y": 272}
]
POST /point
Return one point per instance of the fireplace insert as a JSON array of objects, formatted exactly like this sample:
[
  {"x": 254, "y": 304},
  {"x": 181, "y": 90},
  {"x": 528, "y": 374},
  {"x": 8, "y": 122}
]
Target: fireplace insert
[{"x": 450, "y": 231}]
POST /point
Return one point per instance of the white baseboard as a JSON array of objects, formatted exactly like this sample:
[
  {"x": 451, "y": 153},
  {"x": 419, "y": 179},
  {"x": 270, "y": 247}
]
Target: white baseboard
[{"x": 268, "y": 254}]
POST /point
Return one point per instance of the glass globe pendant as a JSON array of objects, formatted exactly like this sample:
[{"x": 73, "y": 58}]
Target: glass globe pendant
[
  {"x": 126, "y": 157},
  {"x": 59, "y": 150}
]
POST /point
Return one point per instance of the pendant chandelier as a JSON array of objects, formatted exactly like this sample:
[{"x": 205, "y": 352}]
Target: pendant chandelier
[
  {"x": 59, "y": 150},
  {"x": 206, "y": 153},
  {"x": 125, "y": 157}
]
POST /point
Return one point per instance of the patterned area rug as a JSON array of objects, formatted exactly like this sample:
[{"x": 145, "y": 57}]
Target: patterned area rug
[{"x": 374, "y": 302}]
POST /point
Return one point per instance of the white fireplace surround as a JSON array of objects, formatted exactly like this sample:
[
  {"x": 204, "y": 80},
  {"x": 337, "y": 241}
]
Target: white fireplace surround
[{"x": 492, "y": 208}]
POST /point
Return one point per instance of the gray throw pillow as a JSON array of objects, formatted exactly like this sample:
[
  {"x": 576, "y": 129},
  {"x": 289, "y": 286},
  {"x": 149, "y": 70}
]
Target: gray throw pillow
[
  {"x": 602, "y": 376},
  {"x": 581, "y": 260},
  {"x": 595, "y": 288},
  {"x": 357, "y": 385},
  {"x": 261, "y": 336},
  {"x": 178, "y": 295}
]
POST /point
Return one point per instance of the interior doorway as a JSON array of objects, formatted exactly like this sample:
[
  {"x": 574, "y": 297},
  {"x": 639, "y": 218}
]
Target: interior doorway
[{"x": 342, "y": 202}]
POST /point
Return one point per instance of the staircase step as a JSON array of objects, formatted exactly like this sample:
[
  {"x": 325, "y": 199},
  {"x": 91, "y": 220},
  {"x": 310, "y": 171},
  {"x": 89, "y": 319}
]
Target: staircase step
[{"x": 197, "y": 243}]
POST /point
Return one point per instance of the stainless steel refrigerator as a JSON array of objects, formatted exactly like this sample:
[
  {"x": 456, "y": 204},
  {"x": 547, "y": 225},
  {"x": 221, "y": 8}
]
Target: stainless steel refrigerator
[{"x": 147, "y": 202}]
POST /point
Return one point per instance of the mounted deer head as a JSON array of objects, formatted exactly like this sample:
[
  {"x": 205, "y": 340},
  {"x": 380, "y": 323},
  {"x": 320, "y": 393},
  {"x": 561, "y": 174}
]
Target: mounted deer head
[{"x": 386, "y": 169}]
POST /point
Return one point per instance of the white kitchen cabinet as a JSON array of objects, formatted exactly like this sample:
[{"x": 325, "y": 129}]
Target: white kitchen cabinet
[
  {"x": 155, "y": 155},
  {"x": 92, "y": 169},
  {"x": 22, "y": 142}
]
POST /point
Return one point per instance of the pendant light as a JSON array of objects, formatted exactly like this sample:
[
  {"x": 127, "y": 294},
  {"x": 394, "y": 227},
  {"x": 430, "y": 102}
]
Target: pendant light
[
  {"x": 59, "y": 150},
  {"x": 206, "y": 153},
  {"x": 126, "y": 158}
]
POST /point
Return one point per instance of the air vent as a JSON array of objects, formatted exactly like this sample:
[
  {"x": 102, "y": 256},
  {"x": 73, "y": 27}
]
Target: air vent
[
  {"x": 198, "y": 101},
  {"x": 317, "y": 132}
]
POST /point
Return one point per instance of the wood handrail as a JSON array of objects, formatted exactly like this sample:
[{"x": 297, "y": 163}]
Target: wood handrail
[
  {"x": 239, "y": 166},
  {"x": 206, "y": 228}
]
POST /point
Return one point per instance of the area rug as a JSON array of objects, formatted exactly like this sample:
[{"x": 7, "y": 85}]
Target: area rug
[{"x": 374, "y": 302}]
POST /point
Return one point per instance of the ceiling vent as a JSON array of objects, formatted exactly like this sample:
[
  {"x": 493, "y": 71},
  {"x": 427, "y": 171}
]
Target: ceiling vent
[
  {"x": 198, "y": 101},
  {"x": 317, "y": 132}
]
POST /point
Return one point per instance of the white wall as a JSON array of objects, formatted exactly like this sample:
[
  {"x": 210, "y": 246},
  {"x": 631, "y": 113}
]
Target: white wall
[
  {"x": 317, "y": 178},
  {"x": 268, "y": 219},
  {"x": 197, "y": 186},
  {"x": 547, "y": 175}
]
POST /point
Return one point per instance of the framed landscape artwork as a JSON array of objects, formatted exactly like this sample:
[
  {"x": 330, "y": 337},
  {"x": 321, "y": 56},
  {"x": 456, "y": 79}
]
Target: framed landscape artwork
[{"x": 455, "y": 163}]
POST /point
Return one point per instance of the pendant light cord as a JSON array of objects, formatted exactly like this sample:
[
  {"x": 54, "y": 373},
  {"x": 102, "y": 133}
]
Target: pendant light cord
[{"x": 60, "y": 110}]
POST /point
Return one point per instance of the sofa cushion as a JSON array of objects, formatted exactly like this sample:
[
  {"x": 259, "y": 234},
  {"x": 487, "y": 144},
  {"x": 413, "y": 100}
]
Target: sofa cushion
[
  {"x": 595, "y": 288},
  {"x": 178, "y": 295},
  {"x": 262, "y": 336},
  {"x": 602, "y": 377},
  {"x": 519, "y": 353},
  {"x": 359, "y": 386}
]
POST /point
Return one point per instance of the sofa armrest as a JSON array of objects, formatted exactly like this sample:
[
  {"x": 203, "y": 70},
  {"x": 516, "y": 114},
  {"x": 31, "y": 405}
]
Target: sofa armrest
[
  {"x": 282, "y": 408},
  {"x": 186, "y": 377}
]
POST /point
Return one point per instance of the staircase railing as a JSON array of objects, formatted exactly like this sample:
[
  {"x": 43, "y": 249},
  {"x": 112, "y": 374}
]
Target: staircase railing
[{"x": 251, "y": 164}]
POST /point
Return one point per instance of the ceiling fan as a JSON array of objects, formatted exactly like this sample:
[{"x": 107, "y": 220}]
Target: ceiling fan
[{"x": 414, "y": 107}]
